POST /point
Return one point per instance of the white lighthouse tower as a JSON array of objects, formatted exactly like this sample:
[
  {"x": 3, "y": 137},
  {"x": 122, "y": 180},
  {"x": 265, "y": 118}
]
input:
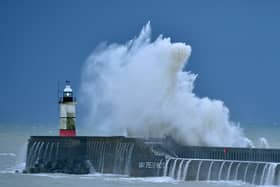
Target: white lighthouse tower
[{"x": 67, "y": 105}]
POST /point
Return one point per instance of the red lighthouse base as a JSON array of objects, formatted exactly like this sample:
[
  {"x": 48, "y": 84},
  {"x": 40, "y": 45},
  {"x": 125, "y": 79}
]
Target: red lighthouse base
[{"x": 66, "y": 132}]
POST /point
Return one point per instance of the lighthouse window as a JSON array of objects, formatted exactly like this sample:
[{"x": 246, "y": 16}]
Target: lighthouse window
[{"x": 67, "y": 94}]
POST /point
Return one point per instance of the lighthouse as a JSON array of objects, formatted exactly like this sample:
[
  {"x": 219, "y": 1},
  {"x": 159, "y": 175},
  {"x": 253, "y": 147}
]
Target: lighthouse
[{"x": 67, "y": 107}]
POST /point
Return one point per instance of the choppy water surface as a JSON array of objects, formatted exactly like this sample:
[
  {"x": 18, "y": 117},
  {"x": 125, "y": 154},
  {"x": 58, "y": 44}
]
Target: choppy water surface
[{"x": 13, "y": 141}]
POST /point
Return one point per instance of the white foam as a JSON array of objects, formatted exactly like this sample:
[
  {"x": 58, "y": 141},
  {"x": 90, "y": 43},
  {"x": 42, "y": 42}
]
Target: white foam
[
  {"x": 7, "y": 171},
  {"x": 95, "y": 175},
  {"x": 231, "y": 183},
  {"x": 145, "y": 179},
  {"x": 263, "y": 143},
  {"x": 8, "y": 154},
  {"x": 51, "y": 175},
  {"x": 18, "y": 168}
]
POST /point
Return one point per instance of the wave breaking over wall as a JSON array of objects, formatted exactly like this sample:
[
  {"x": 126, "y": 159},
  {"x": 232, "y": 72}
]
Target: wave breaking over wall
[{"x": 140, "y": 89}]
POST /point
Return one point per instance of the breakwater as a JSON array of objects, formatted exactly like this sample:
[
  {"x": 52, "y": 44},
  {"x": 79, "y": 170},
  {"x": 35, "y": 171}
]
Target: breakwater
[{"x": 139, "y": 157}]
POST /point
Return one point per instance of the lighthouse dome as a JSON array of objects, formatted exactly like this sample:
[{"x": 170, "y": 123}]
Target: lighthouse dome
[
  {"x": 67, "y": 88},
  {"x": 68, "y": 95},
  {"x": 67, "y": 92}
]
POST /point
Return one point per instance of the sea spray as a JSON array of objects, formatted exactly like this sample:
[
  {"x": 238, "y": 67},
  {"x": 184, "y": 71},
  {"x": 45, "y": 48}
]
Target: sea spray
[
  {"x": 263, "y": 143},
  {"x": 140, "y": 89}
]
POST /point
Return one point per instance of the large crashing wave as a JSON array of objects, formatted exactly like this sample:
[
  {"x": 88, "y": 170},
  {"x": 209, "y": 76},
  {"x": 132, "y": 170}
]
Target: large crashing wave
[{"x": 139, "y": 89}]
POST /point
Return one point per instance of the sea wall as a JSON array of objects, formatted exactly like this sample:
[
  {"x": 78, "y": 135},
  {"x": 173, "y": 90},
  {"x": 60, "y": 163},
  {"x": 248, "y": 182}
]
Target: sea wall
[
  {"x": 154, "y": 157},
  {"x": 56, "y": 154},
  {"x": 81, "y": 155}
]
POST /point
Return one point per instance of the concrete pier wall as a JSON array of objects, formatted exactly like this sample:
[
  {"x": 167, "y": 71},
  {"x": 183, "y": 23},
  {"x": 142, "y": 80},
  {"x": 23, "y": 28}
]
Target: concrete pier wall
[{"x": 154, "y": 157}]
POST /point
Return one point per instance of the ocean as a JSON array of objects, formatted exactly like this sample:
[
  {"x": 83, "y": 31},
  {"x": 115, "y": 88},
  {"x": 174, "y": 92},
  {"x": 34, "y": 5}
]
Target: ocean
[{"x": 13, "y": 142}]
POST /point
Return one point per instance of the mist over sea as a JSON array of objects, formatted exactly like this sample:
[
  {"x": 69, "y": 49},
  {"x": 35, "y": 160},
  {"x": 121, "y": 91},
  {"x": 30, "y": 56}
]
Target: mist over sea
[{"x": 13, "y": 141}]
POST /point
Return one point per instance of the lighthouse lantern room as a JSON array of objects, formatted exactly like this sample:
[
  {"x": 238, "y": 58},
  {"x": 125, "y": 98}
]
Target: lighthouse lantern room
[{"x": 67, "y": 106}]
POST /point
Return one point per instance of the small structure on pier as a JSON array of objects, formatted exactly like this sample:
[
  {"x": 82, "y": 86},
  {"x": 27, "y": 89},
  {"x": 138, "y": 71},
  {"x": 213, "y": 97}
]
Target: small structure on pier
[{"x": 67, "y": 107}]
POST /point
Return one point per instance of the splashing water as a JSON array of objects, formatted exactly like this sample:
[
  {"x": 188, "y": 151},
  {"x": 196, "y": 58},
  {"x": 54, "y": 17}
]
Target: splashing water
[
  {"x": 140, "y": 89},
  {"x": 263, "y": 143}
]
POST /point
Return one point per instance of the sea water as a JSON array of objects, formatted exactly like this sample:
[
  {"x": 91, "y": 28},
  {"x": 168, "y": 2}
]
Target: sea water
[{"x": 13, "y": 142}]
